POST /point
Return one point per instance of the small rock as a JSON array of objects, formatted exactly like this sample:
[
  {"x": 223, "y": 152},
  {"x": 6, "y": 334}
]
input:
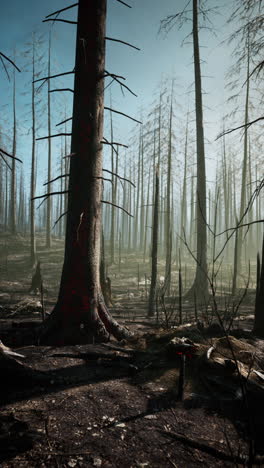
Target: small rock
[
  {"x": 72, "y": 463},
  {"x": 120, "y": 425},
  {"x": 97, "y": 462}
]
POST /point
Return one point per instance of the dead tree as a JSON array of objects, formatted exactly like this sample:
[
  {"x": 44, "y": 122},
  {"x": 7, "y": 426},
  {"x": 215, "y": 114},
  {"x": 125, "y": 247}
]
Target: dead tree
[
  {"x": 80, "y": 314},
  {"x": 154, "y": 254},
  {"x": 259, "y": 315},
  {"x": 199, "y": 288}
]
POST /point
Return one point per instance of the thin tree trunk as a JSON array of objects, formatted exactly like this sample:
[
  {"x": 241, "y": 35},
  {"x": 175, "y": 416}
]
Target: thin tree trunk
[
  {"x": 200, "y": 286},
  {"x": 49, "y": 200},
  {"x": 138, "y": 195},
  {"x": 33, "y": 163},
  {"x": 142, "y": 208},
  {"x": 66, "y": 181},
  {"x": 168, "y": 234},
  {"x": 112, "y": 238},
  {"x": 6, "y": 198},
  {"x": 154, "y": 255},
  {"x": 183, "y": 226},
  {"x": 62, "y": 195},
  {"x": 146, "y": 218},
  {"x": 13, "y": 174},
  {"x": 245, "y": 166}
]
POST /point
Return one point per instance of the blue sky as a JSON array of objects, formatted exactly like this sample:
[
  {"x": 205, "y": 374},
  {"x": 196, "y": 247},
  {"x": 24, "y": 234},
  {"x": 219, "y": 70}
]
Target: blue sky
[{"x": 159, "y": 57}]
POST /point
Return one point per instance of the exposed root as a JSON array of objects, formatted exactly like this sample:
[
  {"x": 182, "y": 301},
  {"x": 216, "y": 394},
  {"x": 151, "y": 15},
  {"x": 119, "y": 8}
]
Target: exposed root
[{"x": 94, "y": 327}]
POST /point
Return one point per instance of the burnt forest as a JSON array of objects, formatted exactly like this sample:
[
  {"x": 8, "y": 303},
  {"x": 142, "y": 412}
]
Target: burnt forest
[{"x": 131, "y": 234}]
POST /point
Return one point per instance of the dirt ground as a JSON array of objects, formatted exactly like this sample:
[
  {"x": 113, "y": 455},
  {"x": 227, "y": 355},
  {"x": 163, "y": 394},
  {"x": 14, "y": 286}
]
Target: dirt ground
[{"x": 115, "y": 405}]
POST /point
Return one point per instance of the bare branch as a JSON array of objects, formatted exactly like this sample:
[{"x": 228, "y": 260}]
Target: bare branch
[
  {"x": 61, "y": 89},
  {"x": 119, "y": 177},
  {"x": 117, "y": 206},
  {"x": 124, "y": 86},
  {"x": 240, "y": 226},
  {"x": 54, "y": 76},
  {"x": 257, "y": 68},
  {"x": 9, "y": 60},
  {"x": 41, "y": 203},
  {"x": 57, "y": 178},
  {"x": 63, "y": 9},
  {"x": 60, "y": 20},
  {"x": 109, "y": 84},
  {"x": 59, "y": 218},
  {"x": 6, "y": 162},
  {"x": 106, "y": 142},
  {"x": 50, "y": 194},
  {"x": 111, "y": 143},
  {"x": 53, "y": 136},
  {"x": 122, "y": 113},
  {"x": 4, "y": 65},
  {"x": 10, "y": 155},
  {"x": 123, "y": 3},
  {"x": 247, "y": 125},
  {"x": 113, "y": 75},
  {"x": 117, "y": 78},
  {"x": 249, "y": 205},
  {"x": 64, "y": 121},
  {"x": 121, "y": 42}
]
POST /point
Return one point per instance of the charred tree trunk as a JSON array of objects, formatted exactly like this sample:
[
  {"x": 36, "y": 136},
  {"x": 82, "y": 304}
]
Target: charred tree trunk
[
  {"x": 6, "y": 198},
  {"x": 33, "y": 163},
  {"x": 234, "y": 279},
  {"x": 200, "y": 286},
  {"x": 80, "y": 315},
  {"x": 259, "y": 315},
  {"x": 183, "y": 226},
  {"x": 138, "y": 194},
  {"x": 154, "y": 256},
  {"x": 13, "y": 174},
  {"x": 142, "y": 208},
  {"x": 49, "y": 200},
  {"x": 146, "y": 217},
  {"x": 245, "y": 166},
  {"x": 112, "y": 234},
  {"x": 2, "y": 193},
  {"x": 168, "y": 233}
]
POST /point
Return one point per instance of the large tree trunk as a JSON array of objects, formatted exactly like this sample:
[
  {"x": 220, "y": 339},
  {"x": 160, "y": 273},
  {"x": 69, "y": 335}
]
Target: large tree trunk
[
  {"x": 80, "y": 315},
  {"x": 200, "y": 286}
]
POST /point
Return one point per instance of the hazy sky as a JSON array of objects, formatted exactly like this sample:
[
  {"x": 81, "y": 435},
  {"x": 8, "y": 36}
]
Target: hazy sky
[{"x": 159, "y": 57}]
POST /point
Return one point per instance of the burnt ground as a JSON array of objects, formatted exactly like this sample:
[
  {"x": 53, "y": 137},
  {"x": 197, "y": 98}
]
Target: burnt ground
[{"x": 117, "y": 405}]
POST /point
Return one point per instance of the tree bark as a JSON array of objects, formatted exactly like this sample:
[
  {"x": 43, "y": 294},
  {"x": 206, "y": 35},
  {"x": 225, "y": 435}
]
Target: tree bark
[
  {"x": 49, "y": 200},
  {"x": 112, "y": 234},
  {"x": 13, "y": 174},
  {"x": 245, "y": 164},
  {"x": 200, "y": 285},
  {"x": 80, "y": 315},
  {"x": 167, "y": 217},
  {"x": 259, "y": 315},
  {"x": 154, "y": 255},
  {"x": 33, "y": 163}
]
